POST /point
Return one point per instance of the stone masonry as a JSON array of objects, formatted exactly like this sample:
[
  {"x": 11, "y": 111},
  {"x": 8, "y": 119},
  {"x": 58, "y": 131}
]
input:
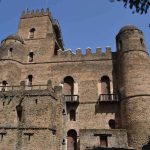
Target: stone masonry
[{"x": 54, "y": 99}]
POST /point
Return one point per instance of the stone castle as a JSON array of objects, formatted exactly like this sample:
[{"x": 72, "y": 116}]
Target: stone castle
[{"x": 54, "y": 99}]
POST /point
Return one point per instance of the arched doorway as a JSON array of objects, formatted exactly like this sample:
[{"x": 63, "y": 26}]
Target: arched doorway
[
  {"x": 105, "y": 88},
  {"x": 71, "y": 140}
]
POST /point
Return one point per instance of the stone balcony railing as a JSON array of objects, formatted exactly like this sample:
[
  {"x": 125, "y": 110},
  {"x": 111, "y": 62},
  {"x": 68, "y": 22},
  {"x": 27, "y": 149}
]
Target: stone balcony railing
[
  {"x": 108, "y": 98},
  {"x": 71, "y": 98}
]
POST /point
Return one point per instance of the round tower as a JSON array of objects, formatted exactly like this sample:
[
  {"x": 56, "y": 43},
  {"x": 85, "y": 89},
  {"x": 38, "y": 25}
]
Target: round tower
[
  {"x": 12, "y": 47},
  {"x": 134, "y": 85}
]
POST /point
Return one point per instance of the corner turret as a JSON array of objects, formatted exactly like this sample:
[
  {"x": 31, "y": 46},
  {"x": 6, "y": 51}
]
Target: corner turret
[
  {"x": 130, "y": 38},
  {"x": 133, "y": 84}
]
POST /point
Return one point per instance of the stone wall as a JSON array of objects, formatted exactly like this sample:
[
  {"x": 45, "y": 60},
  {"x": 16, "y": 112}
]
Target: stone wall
[
  {"x": 36, "y": 127},
  {"x": 91, "y": 138}
]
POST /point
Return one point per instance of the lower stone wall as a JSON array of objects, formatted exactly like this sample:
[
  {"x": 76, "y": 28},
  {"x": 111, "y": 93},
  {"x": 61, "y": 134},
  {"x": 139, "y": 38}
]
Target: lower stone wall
[
  {"x": 91, "y": 138},
  {"x": 27, "y": 139},
  {"x": 30, "y": 120}
]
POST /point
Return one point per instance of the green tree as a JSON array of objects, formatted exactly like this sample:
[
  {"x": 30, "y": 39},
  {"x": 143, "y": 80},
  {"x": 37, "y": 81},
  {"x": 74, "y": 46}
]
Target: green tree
[{"x": 138, "y": 6}]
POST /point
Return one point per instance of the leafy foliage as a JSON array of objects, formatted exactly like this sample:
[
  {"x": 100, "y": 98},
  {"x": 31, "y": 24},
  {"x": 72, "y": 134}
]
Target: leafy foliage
[{"x": 138, "y": 6}]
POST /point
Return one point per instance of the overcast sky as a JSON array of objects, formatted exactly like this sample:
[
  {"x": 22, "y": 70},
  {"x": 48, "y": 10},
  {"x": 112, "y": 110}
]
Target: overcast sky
[{"x": 84, "y": 23}]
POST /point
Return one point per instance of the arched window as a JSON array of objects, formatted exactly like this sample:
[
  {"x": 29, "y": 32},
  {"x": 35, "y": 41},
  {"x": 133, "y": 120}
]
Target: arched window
[
  {"x": 30, "y": 78},
  {"x": 68, "y": 86},
  {"x": 105, "y": 85},
  {"x": 71, "y": 140},
  {"x": 31, "y": 33},
  {"x": 72, "y": 115},
  {"x": 4, "y": 84},
  {"x": 112, "y": 124},
  {"x": 31, "y": 56}
]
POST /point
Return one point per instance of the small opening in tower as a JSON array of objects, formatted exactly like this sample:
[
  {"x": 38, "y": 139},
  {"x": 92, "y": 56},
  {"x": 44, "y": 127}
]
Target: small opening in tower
[
  {"x": 31, "y": 33},
  {"x": 120, "y": 45},
  {"x": 10, "y": 52},
  {"x": 31, "y": 56},
  {"x": 30, "y": 78},
  {"x": 142, "y": 42},
  {"x": 19, "y": 112}
]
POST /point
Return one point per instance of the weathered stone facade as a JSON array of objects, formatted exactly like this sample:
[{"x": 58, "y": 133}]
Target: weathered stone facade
[{"x": 54, "y": 99}]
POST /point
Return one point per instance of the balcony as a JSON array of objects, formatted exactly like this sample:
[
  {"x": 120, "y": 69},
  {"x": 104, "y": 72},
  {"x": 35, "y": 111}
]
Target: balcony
[
  {"x": 108, "y": 98},
  {"x": 71, "y": 98}
]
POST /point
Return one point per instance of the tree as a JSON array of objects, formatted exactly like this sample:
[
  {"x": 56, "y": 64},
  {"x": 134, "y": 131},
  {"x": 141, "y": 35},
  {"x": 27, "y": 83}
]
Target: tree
[{"x": 138, "y": 6}]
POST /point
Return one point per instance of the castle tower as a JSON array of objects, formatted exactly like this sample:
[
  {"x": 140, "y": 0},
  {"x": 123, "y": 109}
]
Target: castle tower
[
  {"x": 41, "y": 33},
  {"x": 133, "y": 85}
]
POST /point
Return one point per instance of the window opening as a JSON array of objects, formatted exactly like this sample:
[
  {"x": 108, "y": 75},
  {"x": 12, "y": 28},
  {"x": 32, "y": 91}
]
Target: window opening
[
  {"x": 19, "y": 112},
  {"x": 120, "y": 45},
  {"x": 10, "y": 52},
  {"x": 72, "y": 115},
  {"x": 112, "y": 124},
  {"x": 142, "y": 42},
  {"x": 36, "y": 101},
  {"x": 31, "y": 33},
  {"x": 56, "y": 49},
  {"x": 105, "y": 85},
  {"x": 30, "y": 78},
  {"x": 68, "y": 88},
  {"x": 31, "y": 56}
]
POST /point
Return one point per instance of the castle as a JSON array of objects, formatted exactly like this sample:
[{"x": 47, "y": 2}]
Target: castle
[{"x": 54, "y": 99}]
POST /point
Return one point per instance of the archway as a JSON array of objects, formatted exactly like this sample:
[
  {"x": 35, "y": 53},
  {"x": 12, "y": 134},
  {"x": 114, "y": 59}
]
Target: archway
[
  {"x": 71, "y": 140},
  {"x": 105, "y": 85},
  {"x": 68, "y": 86}
]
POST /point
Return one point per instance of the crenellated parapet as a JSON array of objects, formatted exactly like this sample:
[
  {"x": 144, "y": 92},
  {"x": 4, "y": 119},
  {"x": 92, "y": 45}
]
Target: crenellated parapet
[
  {"x": 37, "y": 13},
  {"x": 89, "y": 54}
]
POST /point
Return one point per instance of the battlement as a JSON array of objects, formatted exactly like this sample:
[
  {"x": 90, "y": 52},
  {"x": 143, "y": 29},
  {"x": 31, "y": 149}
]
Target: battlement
[
  {"x": 37, "y": 13},
  {"x": 89, "y": 55}
]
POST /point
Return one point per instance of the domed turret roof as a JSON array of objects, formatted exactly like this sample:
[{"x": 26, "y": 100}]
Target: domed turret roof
[
  {"x": 128, "y": 27},
  {"x": 15, "y": 37}
]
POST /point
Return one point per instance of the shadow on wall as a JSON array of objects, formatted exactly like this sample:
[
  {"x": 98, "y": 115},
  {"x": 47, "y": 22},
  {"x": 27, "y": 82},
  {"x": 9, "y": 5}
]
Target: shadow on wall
[
  {"x": 106, "y": 108},
  {"x": 146, "y": 147}
]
